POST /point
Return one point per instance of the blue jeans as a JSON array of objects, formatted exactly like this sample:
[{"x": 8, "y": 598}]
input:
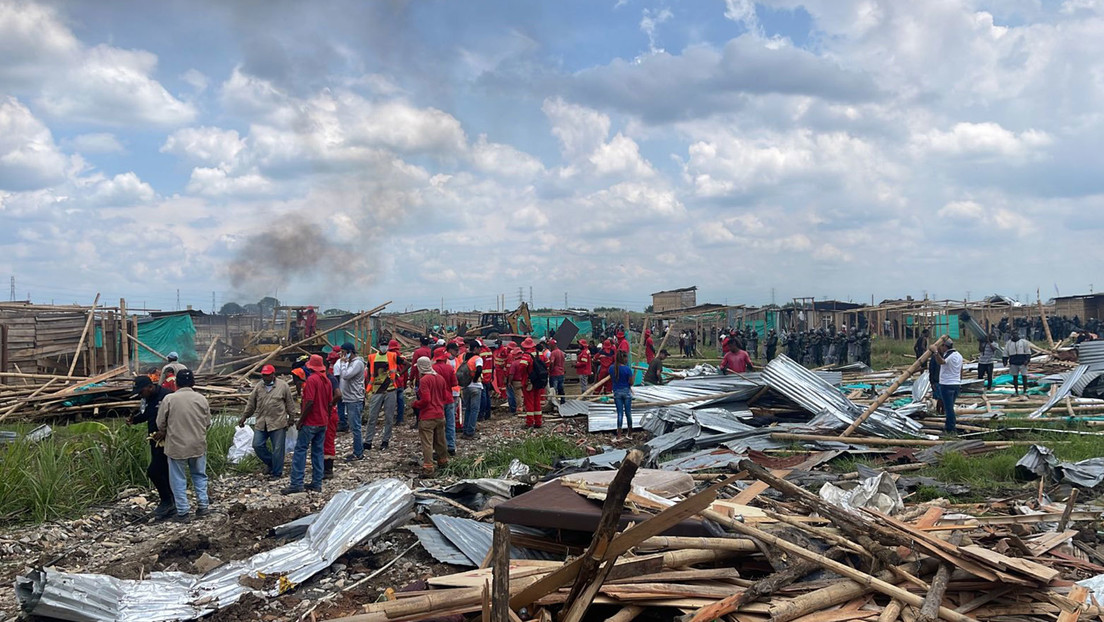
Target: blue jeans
[
  {"x": 400, "y": 406},
  {"x": 450, "y": 426},
  {"x": 178, "y": 480},
  {"x": 948, "y": 393},
  {"x": 355, "y": 413},
  {"x": 555, "y": 383},
  {"x": 274, "y": 459},
  {"x": 622, "y": 400},
  {"x": 312, "y": 438},
  {"x": 473, "y": 402},
  {"x": 511, "y": 399},
  {"x": 342, "y": 419},
  {"x": 485, "y": 406}
]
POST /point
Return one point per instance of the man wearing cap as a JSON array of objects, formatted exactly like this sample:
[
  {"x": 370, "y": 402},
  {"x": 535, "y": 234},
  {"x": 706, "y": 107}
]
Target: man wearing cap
[
  {"x": 582, "y": 366},
  {"x": 605, "y": 361},
  {"x": 273, "y": 406},
  {"x": 158, "y": 469},
  {"x": 433, "y": 391},
  {"x": 383, "y": 395},
  {"x": 445, "y": 370},
  {"x": 182, "y": 423},
  {"x": 950, "y": 380},
  {"x": 533, "y": 396},
  {"x": 314, "y": 414},
  {"x": 173, "y": 363},
  {"x": 556, "y": 365},
  {"x": 349, "y": 370},
  {"x": 649, "y": 346}
]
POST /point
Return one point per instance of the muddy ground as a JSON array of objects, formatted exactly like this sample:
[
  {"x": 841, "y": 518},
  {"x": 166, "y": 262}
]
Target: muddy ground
[{"x": 121, "y": 540}]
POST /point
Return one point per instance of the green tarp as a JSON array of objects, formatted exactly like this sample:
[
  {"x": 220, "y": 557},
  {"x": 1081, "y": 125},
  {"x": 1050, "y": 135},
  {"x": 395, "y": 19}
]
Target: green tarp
[
  {"x": 545, "y": 324},
  {"x": 171, "y": 333}
]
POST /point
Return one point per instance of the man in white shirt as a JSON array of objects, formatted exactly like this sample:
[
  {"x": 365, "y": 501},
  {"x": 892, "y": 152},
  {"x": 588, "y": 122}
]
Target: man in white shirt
[
  {"x": 950, "y": 380},
  {"x": 1017, "y": 354}
]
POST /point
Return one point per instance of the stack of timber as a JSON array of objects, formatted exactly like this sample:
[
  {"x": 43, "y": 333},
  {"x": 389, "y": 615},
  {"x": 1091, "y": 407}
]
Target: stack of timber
[{"x": 777, "y": 553}]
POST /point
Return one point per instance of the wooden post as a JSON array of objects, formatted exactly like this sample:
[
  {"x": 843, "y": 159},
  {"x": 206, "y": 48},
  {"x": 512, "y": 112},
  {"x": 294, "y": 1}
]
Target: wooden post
[
  {"x": 135, "y": 340},
  {"x": 1046, "y": 325},
  {"x": 124, "y": 326},
  {"x": 500, "y": 573},
  {"x": 84, "y": 335},
  {"x": 207, "y": 355},
  {"x": 905, "y": 375}
]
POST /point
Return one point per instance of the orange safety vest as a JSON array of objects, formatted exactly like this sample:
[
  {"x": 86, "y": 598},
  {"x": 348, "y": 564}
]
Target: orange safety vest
[
  {"x": 392, "y": 366},
  {"x": 488, "y": 363},
  {"x": 455, "y": 367}
]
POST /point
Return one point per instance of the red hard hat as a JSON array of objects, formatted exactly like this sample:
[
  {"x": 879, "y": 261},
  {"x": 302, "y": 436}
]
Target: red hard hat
[
  {"x": 440, "y": 354},
  {"x": 393, "y": 344},
  {"x": 268, "y": 369},
  {"x": 528, "y": 344}
]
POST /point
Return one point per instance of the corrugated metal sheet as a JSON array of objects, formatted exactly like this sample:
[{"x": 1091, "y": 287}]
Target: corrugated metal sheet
[
  {"x": 475, "y": 538},
  {"x": 350, "y": 517},
  {"x": 1091, "y": 353},
  {"x": 831, "y": 410},
  {"x": 1063, "y": 391},
  {"x": 716, "y": 458},
  {"x": 438, "y": 546}
]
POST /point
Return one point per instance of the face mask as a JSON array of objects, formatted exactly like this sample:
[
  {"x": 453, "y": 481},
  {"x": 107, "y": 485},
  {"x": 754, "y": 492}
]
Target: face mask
[{"x": 269, "y": 383}]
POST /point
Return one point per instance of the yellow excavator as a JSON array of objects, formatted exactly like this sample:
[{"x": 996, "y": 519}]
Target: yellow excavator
[{"x": 503, "y": 323}]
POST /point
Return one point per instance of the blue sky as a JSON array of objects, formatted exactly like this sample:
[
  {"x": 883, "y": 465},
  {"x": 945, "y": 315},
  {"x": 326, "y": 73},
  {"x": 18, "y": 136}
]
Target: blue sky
[{"x": 346, "y": 153}]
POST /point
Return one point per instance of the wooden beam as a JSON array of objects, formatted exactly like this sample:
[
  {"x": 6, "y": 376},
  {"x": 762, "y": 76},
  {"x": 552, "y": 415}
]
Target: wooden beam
[
  {"x": 905, "y": 375},
  {"x": 135, "y": 340},
  {"x": 124, "y": 327},
  {"x": 84, "y": 334},
  {"x": 500, "y": 560}
]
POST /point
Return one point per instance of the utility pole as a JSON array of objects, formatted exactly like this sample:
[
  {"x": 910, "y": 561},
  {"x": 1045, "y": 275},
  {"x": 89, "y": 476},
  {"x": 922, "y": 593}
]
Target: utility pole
[
  {"x": 213, "y": 303},
  {"x": 530, "y": 295},
  {"x": 772, "y": 296},
  {"x": 13, "y": 288},
  {"x": 565, "y": 300},
  {"x": 521, "y": 295},
  {"x": 177, "y": 299}
]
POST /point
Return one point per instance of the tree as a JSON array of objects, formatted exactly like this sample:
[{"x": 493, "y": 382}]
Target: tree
[
  {"x": 335, "y": 312},
  {"x": 649, "y": 309},
  {"x": 252, "y": 309},
  {"x": 267, "y": 305},
  {"x": 231, "y": 308}
]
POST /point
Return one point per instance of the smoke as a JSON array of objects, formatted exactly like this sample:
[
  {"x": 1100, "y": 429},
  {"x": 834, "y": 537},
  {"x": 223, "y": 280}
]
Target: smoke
[{"x": 287, "y": 250}]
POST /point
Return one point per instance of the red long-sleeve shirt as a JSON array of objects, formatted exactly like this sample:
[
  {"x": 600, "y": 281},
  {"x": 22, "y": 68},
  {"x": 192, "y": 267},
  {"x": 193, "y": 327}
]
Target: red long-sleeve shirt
[
  {"x": 433, "y": 393},
  {"x": 445, "y": 370}
]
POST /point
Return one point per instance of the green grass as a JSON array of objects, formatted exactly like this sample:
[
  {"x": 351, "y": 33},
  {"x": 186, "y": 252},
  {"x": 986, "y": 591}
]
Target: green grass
[
  {"x": 535, "y": 450},
  {"x": 85, "y": 465},
  {"x": 994, "y": 473}
]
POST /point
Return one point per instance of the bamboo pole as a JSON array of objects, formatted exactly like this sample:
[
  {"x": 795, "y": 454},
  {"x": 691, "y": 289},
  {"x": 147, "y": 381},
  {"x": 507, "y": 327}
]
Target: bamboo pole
[
  {"x": 1042, "y": 314},
  {"x": 84, "y": 334},
  {"x": 903, "y": 442},
  {"x": 135, "y": 340},
  {"x": 905, "y": 375},
  {"x": 124, "y": 327},
  {"x": 207, "y": 355}
]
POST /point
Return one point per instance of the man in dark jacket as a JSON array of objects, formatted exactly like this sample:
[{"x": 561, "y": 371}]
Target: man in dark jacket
[{"x": 158, "y": 470}]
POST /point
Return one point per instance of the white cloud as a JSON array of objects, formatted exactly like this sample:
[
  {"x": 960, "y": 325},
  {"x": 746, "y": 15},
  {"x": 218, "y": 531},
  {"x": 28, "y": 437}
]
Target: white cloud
[
  {"x": 981, "y": 139},
  {"x": 504, "y": 160},
  {"x": 743, "y": 11},
  {"x": 114, "y": 87},
  {"x": 620, "y": 156},
  {"x": 650, "y": 21},
  {"x": 122, "y": 190},
  {"x": 217, "y": 182},
  {"x": 33, "y": 42},
  {"x": 29, "y": 158},
  {"x": 205, "y": 145},
  {"x": 196, "y": 79},
  {"x": 580, "y": 130},
  {"x": 98, "y": 142}
]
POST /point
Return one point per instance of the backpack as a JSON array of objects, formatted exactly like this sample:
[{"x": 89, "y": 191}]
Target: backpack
[
  {"x": 538, "y": 373},
  {"x": 463, "y": 375}
]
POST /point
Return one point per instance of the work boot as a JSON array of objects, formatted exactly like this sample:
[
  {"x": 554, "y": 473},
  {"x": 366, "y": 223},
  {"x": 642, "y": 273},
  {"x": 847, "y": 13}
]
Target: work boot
[
  {"x": 163, "y": 510},
  {"x": 183, "y": 518},
  {"x": 328, "y": 468},
  {"x": 291, "y": 490},
  {"x": 427, "y": 471},
  {"x": 384, "y": 445},
  {"x": 203, "y": 510},
  {"x": 313, "y": 488}
]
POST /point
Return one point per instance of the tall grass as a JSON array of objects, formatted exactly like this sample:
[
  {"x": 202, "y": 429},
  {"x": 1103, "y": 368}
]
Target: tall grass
[
  {"x": 534, "y": 451},
  {"x": 83, "y": 466}
]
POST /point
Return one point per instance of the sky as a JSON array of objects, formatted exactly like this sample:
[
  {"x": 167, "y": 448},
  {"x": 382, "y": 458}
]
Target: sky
[{"x": 344, "y": 154}]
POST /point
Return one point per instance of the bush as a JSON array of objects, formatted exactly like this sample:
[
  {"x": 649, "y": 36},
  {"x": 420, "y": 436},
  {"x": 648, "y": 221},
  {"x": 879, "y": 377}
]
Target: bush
[{"x": 82, "y": 466}]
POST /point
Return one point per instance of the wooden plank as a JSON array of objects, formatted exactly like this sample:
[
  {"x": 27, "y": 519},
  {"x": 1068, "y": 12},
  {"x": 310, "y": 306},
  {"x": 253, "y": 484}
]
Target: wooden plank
[
  {"x": 1034, "y": 570},
  {"x": 500, "y": 559},
  {"x": 1078, "y": 593}
]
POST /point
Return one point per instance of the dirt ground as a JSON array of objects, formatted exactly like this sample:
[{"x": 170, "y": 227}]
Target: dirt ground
[{"x": 121, "y": 540}]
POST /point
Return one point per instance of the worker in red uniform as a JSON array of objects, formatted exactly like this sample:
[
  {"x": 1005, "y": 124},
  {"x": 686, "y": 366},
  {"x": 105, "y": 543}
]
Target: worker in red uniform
[
  {"x": 622, "y": 343},
  {"x": 329, "y": 445},
  {"x": 310, "y": 323},
  {"x": 433, "y": 390},
  {"x": 649, "y": 347},
  {"x": 414, "y": 375},
  {"x": 447, "y": 370},
  {"x": 500, "y": 368},
  {"x": 582, "y": 366},
  {"x": 532, "y": 394},
  {"x": 605, "y": 359},
  {"x": 487, "y": 378},
  {"x": 556, "y": 367},
  {"x": 513, "y": 388}
]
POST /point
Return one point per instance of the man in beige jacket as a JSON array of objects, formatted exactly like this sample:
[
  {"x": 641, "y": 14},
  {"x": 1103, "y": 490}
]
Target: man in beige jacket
[
  {"x": 182, "y": 423},
  {"x": 273, "y": 406}
]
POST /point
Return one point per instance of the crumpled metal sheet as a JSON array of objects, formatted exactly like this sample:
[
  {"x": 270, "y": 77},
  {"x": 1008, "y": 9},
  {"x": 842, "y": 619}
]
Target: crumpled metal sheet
[
  {"x": 438, "y": 546},
  {"x": 1091, "y": 353},
  {"x": 831, "y": 410},
  {"x": 475, "y": 538},
  {"x": 1063, "y": 391},
  {"x": 877, "y": 493},
  {"x": 715, "y": 458},
  {"x": 1042, "y": 462},
  {"x": 350, "y": 517},
  {"x": 920, "y": 387}
]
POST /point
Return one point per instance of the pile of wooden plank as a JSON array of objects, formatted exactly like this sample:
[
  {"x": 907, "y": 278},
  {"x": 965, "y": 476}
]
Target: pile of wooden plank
[{"x": 779, "y": 553}]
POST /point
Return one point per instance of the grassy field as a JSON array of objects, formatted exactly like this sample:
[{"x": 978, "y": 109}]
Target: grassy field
[
  {"x": 543, "y": 449},
  {"x": 88, "y": 464}
]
